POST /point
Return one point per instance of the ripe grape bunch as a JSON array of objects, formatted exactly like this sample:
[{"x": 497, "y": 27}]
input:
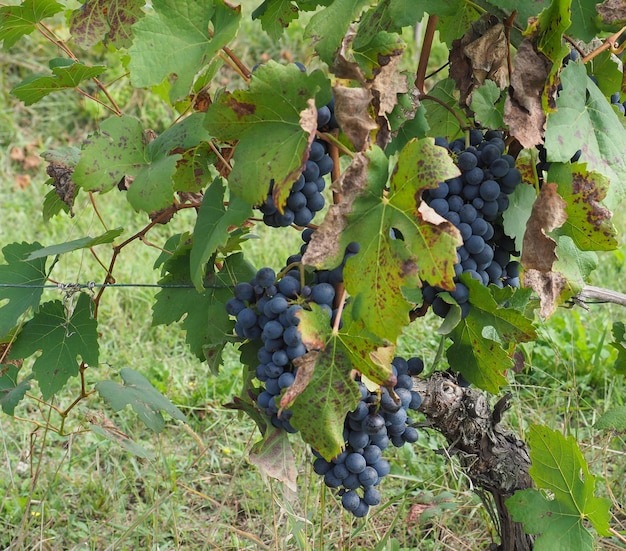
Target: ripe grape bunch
[
  {"x": 377, "y": 421},
  {"x": 473, "y": 202},
  {"x": 305, "y": 197}
]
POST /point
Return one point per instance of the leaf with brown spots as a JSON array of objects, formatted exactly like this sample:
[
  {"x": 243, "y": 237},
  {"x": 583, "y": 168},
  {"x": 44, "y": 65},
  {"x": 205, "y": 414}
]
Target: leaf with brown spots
[
  {"x": 388, "y": 208},
  {"x": 588, "y": 221},
  {"x": 273, "y": 124},
  {"x": 274, "y": 457},
  {"x": 481, "y": 360}
]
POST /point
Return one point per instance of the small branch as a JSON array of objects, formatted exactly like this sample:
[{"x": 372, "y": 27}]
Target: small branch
[
  {"x": 427, "y": 44},
  {"x": 462, "y": 123},
  {"x": 597, "y": 295},
  {"x": 610, "y": 43}
]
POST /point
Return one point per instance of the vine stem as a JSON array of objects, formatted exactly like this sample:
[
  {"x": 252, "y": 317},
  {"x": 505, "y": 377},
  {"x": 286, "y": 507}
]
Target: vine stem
[
  {"x": 617, "y": 534},
  {"x": 610, "y": 43},
  {"x": 139, "y": 235},
  {"x": 340, "y": 306},
  {"x": 427, "y": 44}
]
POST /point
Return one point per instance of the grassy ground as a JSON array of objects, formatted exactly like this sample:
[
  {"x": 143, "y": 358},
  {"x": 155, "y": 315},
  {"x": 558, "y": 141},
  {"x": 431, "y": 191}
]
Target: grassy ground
[{"x": 84, "y": 491}]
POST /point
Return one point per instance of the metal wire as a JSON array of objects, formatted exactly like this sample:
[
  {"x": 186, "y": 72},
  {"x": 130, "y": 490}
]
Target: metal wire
[{"x": 94, "y": 285}]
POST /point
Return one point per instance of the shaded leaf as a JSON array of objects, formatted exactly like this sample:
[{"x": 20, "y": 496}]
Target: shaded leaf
[
  {"x": 76, "y": 244},
  {"x": 441, "y": 120},
  {"x": 619, "y": 334},
  {"x": 141, "y": 396},
  {"x": 274, "y": 457},
  {"x": 12, "y": 392},
  {"x": 614, "y": 419},
  {"x": 110, "y": 432},
  {"x": 66, "y": 74},
  {"x": 61, "y": 337},
  {"x": 28, "y": 277},
  {"x": 275, "y": 16},
  {"x": 488, "y": 106}
]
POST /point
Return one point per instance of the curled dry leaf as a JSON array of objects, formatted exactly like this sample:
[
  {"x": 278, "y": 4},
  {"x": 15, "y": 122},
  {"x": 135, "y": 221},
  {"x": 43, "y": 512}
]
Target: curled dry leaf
[
  {"x": 523, "y": 110},
  {"x": 352, "y": 112},
  {"x": 325, "y": 240},
  {"x": 612, "y": 12},
  {"x": 305, "y": 366},
  {"x": 64, "y": 186},
  {"x": 539, "y": 255},
  {"x": 479, "y": 56}
]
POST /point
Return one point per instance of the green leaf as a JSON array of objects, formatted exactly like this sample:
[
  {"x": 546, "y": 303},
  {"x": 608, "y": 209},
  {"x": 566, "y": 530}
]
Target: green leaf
[
  {"x": 66, "y": 74},
  {"x": 12, "y": 392},
  {"x": 487, "y": 105},
  {"x": 526, "y": 9},
  {"x": 274, "y": 457},
  {"x": 113, "y": 19},
  {"x": 574, "y": 264},
  {"x": 329, "y": 393},
  {"x": 584, "y": 16},
  {"x": 619, "y": 334},
  {"x": 53, "y": 205},
  {"x": 614, "y": 419},
  {"x": 481, "y": 360},
  {"x": 385, "y": 265},
  {"x": 18, "y": 21},
  {"x": 179, "y": 37},
  {"x": 32, "y": 275},
  {"x": 122, "y": 440},
  {"x": 82, "y": 243},
  {"x": 606, "y": 72},
  {"x": 514, "y": 218},
  {"x": 120, "y": 149},
  {"x": 559, "y": 467},
  {"x": 328, "y": 26},
  {"x": 117, "y": 150},
  {"x": 137, "y": 392},
  {"x": 588, "y": 222},
  {"x": 206, "y": 321},
  {"x": 585, "y": 120},
  {"x": 212, "y": 228},
  {"x": 266, "y": 120},
  {"x": 275, "y": 16},
  {"x": 61, "y": 338},
  {"x": 441, "y": 120}
]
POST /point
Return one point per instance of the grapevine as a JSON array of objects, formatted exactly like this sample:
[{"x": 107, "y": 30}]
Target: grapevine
[{"x": 478, "y": 188}]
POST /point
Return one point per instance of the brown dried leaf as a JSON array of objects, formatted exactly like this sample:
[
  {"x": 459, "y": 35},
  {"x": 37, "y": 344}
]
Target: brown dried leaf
[
  {"x": 22, "y": 181},
  {"x": 305, "y": 366},
  {"x": 479, "y": 56},
  {"x": 549, "y": 287},
  {"x": 548, "y": 213},
  {"x": 64, "y": 186},
  {"x": 523, "y": 110},
  {"x": 325, "y": 240},
  {"x": 17, "y": 154},
  {"x": 612, "y": 11},
  {"x": 539, "y": 253},
  {"x": 352, "y": 112}
]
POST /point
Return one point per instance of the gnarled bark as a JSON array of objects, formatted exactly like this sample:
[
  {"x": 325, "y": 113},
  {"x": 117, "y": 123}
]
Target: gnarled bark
[{"x": 495, "y": 459}]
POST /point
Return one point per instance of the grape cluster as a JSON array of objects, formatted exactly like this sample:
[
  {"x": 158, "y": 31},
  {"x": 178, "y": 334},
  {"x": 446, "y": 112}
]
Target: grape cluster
[
  {"x": 305, "y": 197},
  {"x": 267, "y": 308},
  {"x": 473, "y": 202},
  {"x": 379, "y": 419}
]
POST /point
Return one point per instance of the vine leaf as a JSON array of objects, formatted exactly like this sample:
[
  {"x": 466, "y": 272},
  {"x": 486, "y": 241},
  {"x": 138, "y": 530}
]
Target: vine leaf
[
  {"x": 61, "y": 338},
  {"x": 66, "y": 73},
  {"x": 515, "y": 218},
  {"x": 121, "y": 149},
  {"x": 274, "y": 457},
  {"x": 11, "y": 392},
  {"x": 275, "y": 16},
  {"x": 31, "y": 275},
  {"x": 109, "y": 431},
  {"x": 212, "y": 228},
  {"x": 266, "y": 121},
  {"x": 385, "y": 265},
  {"x": 588, "y": 222},
  {"x": 139, "y": 393},
  {"x": 328, "y": 26},
  {"x": 177, "y": 37},
  {"x": 82, "y": 243},
  {"x": 488, "y": 106},
  {"x": 18, "y": 21},
  {"x": 559, "y": 467},
  {"x": 480, "y": 359},
  {"x": 584, "y": 120},
  {"x": 96, "y": 20},
  {"x": 205, "y": 318},
  {"x": 441, "y": 119},
  {"x": 619, "y": 334}
]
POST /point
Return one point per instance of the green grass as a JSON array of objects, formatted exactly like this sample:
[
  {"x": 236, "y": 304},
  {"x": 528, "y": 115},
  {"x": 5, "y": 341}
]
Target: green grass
[{"x": 83, "y": 491}]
